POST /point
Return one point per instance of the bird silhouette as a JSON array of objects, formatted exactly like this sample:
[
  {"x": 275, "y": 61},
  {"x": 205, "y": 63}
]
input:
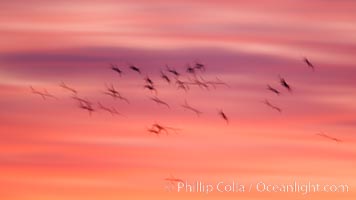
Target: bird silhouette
[
  {"x": 200, "y": 83},
  {"x": 115, "y": 68},
  {"x": 272, "y": 106},
  {"x": 159, "y": 129},
  {"x": 165, "y": 77},
  {"x": 173, "y": 180},
  {"x": 164, "y": 128},
  {"x": 223, "y": 115},
  {"x": 79, "y": 99},
  {"x": 216, "y": 83},
  {"x": 189, "y": 107},
  {"x": 182, "y": 85},
  {"x": 329, "y": 137},
  {"x": 199, "y": 66},
  {"x": 66, "y": 87},
  {"x": 148, "y": 80},
  {"x": 172, "y": 71},
  {"x": 154, "y": 131},
  {"x": 273, "y": 90},
  {"x": 111, "y": 91},
  {"x": 309, "y": 63},
  {"x": 82, "y": 100},
  {"x": 190, "y": 70},
  {"x": 45, "y": 94},
  {"x": 136, "y": 69},
  {"x": 151, "y": 88},
  {"x": 86, "y": 105},
  {"x": 284, "y": 83},
  {"x": 159, "y": 101},
  {"x": 112, "y": 110}
]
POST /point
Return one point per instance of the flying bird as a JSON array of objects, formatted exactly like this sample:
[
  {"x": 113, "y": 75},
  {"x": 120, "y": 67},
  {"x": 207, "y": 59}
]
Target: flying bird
[
  {"x": 149, "y": 81},
  {"x": 189, "y": 107},
  {"x": 165, "y": 77},
  {"x": 84, "y": 104},
  {"x": 223, "y": 115},
  {"x": 112, "y": 110},
  {"x": 159, "y": 129},
  {"x": 111, "y": 91},
  {"x": 309, "y": 63},
  {"x": 66, "y": 87},
  {"x": 116, "y": 69},
  {"x": 199, "y": 66},
  {"x": 182, "y": 85},
  {"x": 190, "y": 70},
  {"x": 272, "y": 106},
  {"x": 154, "y": 131},
  {"x": 151, "y": 88},
  {"x": 45, "y": 94},
  {"x": 87, "y": 107},
  {"x": 164, "y": 128},
  {"x": 284, "y": 83},
  {"x": 216, "y": 82},
  {"x": 172, "y": 71},
  {"x": 173, "y": 180},
  {"x": 273, "y": 90},
  {"x": 159, "y": 101},
  {"x": 136, "y": 69},
  {"x": 329, "y": 137},
  {"x": 201, "y": 83},
  {"x": 81, "y": 100}
]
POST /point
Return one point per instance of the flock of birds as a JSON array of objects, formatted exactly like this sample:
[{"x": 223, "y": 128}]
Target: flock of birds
[
  {"x": 194, "y": 77},
  {"x": 170, "y": 75},
  {"x": 284, "y": 84}
]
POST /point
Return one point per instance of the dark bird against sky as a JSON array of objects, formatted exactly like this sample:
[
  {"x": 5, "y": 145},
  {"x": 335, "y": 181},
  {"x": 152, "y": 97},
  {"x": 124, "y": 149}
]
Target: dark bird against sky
[
  {"x": 159, "y": 129},
  {"x": 329, "y": 137},
  {"x": 112, "y": 110},
  {"x": 165, "y": 77},
  {"x": 272, "y": 106},
  {"x": 115, "y": 68},
  {"x": 182, "y": 85},
  {"x": 216, "y": 82},
  {"x": 151, "y": 88},
  {"x": 87, "y": 107},
  {"x": 111, "y": 91},
  {"x": 136, "y": 69},
  {"x": 273, "y": 90},
  {"x": 45, "y": 94},
  {"x": 85, "y": 104},
  {"x": 309, "y": 63},
  {"x": 189, "y": 107},
  {"x": 284, "y": 83},
  {"x": 223, "y": 115},
  {"x": 190, "y": 70},
  {"x": 159, "y": 101},
  {"x": 66, "y": 87},
  {"x": 199, "y": 66},
  {"x": 148, "y": 80},
  {"x": 172, "y": 71},
  {"x": 200, "y": 83}
]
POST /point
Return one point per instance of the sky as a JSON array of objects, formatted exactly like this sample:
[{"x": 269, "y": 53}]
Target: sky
[{"x": 53, "y": 150}]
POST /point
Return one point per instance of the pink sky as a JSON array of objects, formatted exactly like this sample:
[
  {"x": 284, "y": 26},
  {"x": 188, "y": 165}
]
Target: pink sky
[{"x": 53, "y": 150}]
